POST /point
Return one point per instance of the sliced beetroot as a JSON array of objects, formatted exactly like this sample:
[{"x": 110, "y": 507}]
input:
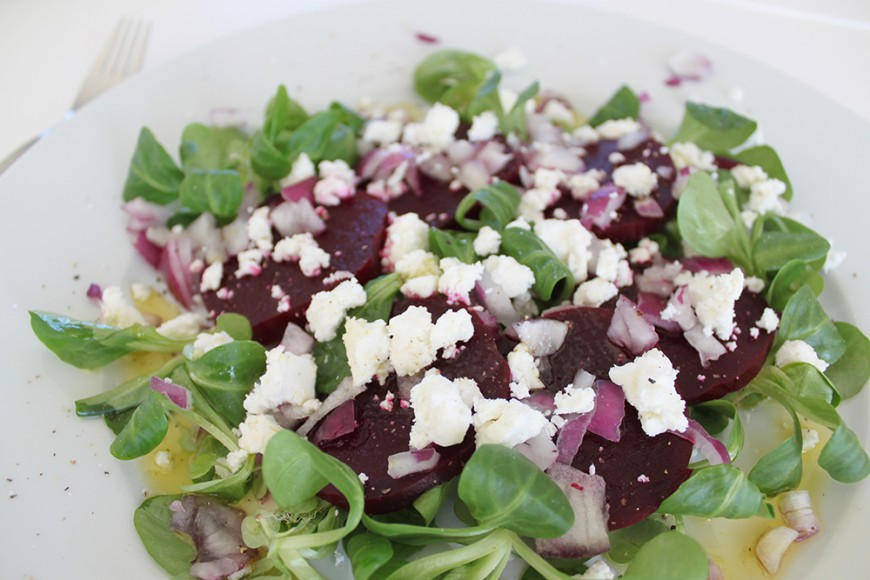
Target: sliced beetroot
[
  {"x": 730, "y": 372},
  {"x": 353, "y": 238},
  {"x": 383, "y": 429},
  {"x": 586, "y": 346},
  {"x": 629, "y": 225},
  {"x": 639, "y": 471},
  {"x": 437, "y": 205}
]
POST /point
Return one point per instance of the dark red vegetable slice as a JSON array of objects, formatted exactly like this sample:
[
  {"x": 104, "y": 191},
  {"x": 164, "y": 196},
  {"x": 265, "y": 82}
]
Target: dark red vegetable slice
[
  {"x": 353, "y": 237},
  {"x": 640, "y": 471},
  {"x": 586, "y": 346},
  {"x": 730, "y": 372},
  {"x": 629, "y": 226},
  {"x": 385, "y": 431}
]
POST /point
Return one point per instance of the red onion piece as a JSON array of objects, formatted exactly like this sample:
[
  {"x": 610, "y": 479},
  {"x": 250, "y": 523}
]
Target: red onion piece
[
  {"x": 540, "y": 450},
  {"x": 629, "y": 328},
  {"x": 340, "y": 422},
  {"x": 601, "y": 206},
  {"x": 658, "y": 279},
  {"x": 296, "y": 340},
  {"x": 216, "y": 531},
  {"x": 495, "y": 300},
  {"x": 797, "y": 510},
  {"x": 648, "y": 207},
  {"x": 708, "y": 347},
  {"x": 772, "y": 546},
  {"x": 690, "y": 65},
  {"x": 290, "y": 416},
  {"x": 710, "y": 265},
  {"x": 370, "y": 162},
  {"x": 474, "y": 175},
  {"x": 714, "y": 572},
  {"x": 680, "y": 309},
  {"x": 95, "y": 292},
  {"x": 494, "y": 157},
  {"x": 392, "y": 162},
  {"x": 588, "y": 536},
  {"x": 301, "y": 190},
  {"x": 427, "y": 38},
  {"x": 412, "y": 178},
  {"x": 175, "y": 393},
  {"x": 542, "y": 130},
  {"x": 673, "y": 81},
  {"x": 570, "y": 437},
  {"x": 711, "y": 448},
  {"x": 409, "y": 462},
  {"x": 175, "y": 264},
  {"x": 148, "y": 249},
  {"x": 632, "y": 140},
  {"x": 144, "y": 214},
  {"x": 291, "y": 218},
  {"x": 461, "y": 151},
  {"x": 437, "y": 167},
  {"x": 651, "y": 305},
  {"x": 556, "y": 157},
  {"x": 541, "y": 400},
  {"x": 609, "y": 411},
  {"x": 345, "y": 391},
  {"x": 542, "y": 336}
]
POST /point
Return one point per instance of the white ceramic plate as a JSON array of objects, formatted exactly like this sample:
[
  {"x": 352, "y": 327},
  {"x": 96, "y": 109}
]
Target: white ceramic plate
[{"x": 66, "y": 505}]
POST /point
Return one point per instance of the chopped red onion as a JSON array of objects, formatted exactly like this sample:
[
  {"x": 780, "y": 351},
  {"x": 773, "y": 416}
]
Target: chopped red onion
[
  {"x": 148, "y": 249},
  {"x": 427, "y": 38},
  {"x": 570, "y": 437},
  {"x": 95, "y": 292},
  {"x": 290, "y": 416},
  {"x": 673, "y": 81},
  {"x": 609, "y": 411},
  {"x": 144, "y": 214},
  {"x": 296, "y": 340},
  {"x": 680, "y": 310},
  {"x": 772, "y": 546},
  {"x": 648, "y": 207},
  {"x": 556, "y": 157},
  {"x": 175, "y": 393},
  {"x": 494, "y": 156},
  {"x": 460, "y": 151},
  {"x": 437, "y": 167},
  {"x": 588, "y": 535},
  {"x": 540, "y": 450},
  {"x": 541, "y": 400},
  {"x": 412, "y": 178},
  {"x": 651, "y": 305},
  {"x": 629, "y": 328},
  {"x": 797, "y": 510},
  {"x": 708, "y": 347},
  {"x": 714, "y": 572},
  {"x": 601, "y": 206},
  {"x": 345, "y": 391},
  {"x": 711, "y": 448},
  {"x": 409, "y": 462},
  {"x": 710, "y": 265},
  {"x": 217, "y": 569},
  {"x": 542, "y": 130},
  {"x": 632, "y": 140},
  {"x": 291, "y": 218},
  {"x": 495, "y": 300},
  {"x": 541, "y": 335},
  {"x": 175, "y": 264},
  {"x": 300, "y": 190},
  {"x": 680, "y": 182},
  {"x": 690, "y": 65},
  {"x": 474, "y": 175},
  {"x": 340, "y": 422},
  {"x": 370, "y": 162},
  {"x": 658, "y": 279}
]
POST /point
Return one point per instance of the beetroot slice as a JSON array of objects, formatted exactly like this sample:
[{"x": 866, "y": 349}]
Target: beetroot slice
[
  {"x": 640, "y": 471},
  {"x": 385, "y": 431},
  {"x": 586, "y": 346},
  {"x": 437, "y": 205},
  {"x": 628, "y": 226},
  {"x": 730, "y": 372},
  {"x": 353, "y": 237}
]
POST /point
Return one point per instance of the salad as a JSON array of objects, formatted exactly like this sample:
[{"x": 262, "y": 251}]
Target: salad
[{"x": 441, "y": 339}]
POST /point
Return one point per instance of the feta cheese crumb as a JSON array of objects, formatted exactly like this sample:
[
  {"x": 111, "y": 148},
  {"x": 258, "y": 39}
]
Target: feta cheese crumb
[
  {"x": 595, "y": 292},
  {"x": 259, "y": 228},
  {"x": 648, "y": 383},
  {"x": 689, "y": 155},
  {"x": 483, "y": 127},
  {"x": 382, "y": 131},
  {"x": 636, "y": 179},
  {"x": 519, "y": 223},
  {"x": 524, "y": 372},
  {"x": 810, "y": 440},
  {"x": 418, "y": 263},
  {"x": 405, "y": 234},
  {"x": 556, "y": 112},
  {"x": 574, "y": 400},
  {"x": 211, "y": 277},
  {"x": 511, "y": 60},
  {"x": 302, "y": 247},
  {"x": 183, "y": 326},
  {"x": 302, "y": 169},
  {"x": 452, "y": 327},
  {"x": 163, "y": 460},
  {"x": 207, "y": 341},
  {"x": 799, "y": 351},
  {"x": 363, "y": 478},
  {"x": 289, "y": 378},
  {"x": 458, "y": 279},
  {"x": 337, "y": 182},
  {"x": 754, "y": 284},
  {"x": 586, "y": 134},
  {"x": 769, "y": 321},
  {"x": 256, "y": 431},
  {"x": 328, "y": 308},
  {"x": 645, "y": 252},
  {"x": 582, "y": 184},
  {"x": 487, "y": 241},
  {"x": 117, "y": 311},
  {"x": 249, "y": 263},
  {"x": 411, "y": 348},
  {"x": 616, "y": 128},
  {"x": 236, "y": 459},
  {"x": 441, "y": 416},
  {"x": 514, "y": 278},
  {"x": 506, "y": 422},
  {"x": 764, "y": 196},
  {"x": 368, "y": 349},
  {"x": 570, "y": 241},
  {"x": 747, "y": 176},
  {"x": 713, "y": 298},
  {"x": 437, "y": 129}
]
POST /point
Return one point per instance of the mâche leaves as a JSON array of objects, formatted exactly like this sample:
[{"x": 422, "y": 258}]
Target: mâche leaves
[
  {"x": 153, "y": 175},
  {"x": 624, "y": 104},
  {"x": 713, "y": 128}
]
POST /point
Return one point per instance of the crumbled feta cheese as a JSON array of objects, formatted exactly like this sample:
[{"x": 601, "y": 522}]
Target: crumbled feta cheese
[
  {"x": 405, "y": 234},
  {"x": 452, "y": 327},
  {"x": 487, "y": 241},
  {"x": 236, "y": 459},
  {"x": 337, "y": 182},
  {"x": 582, "y": 184},
  {"x": 606, "y": 256},
  {"x": 207, "y": 341},
  {"x": 506, "y": 422},
  {"x": 519, "y": 223},
  {"x": 418, "y": 263},
  {"x": 256, "y": 431},
  {"x": 468, "y": 390},
  {"x": 289, "y": 378},
  {"x": 328, "y": 308},
  {"x": 514, "y": 278},
  {"x": 753, "y": 284},
  {"x": 302, "y": 169},
  {"x": 163, "y": 459},
  {"x": 249, "y": 263},
  {"x": 458, "y": 279},
  {"x": 636, "y": 179},
  {"x": 747, "y": 176},
  {"x": 382, "y": 131},
  {"x": 183, "y": 326},
  {"x": 420, "y": 287},
  {"x": 483, "y": 127},
  {"x": 337, "y": 277},
  {"x": 599, "y": 569},
  {"x": 363, "y": 478},
  {"x": 259, "y": 228},
  {"x": 556, "y": 112},
  {"x": 141, "y": 292},
  {"x": 595, "y": 292},
  {"x": 616, "y": 128},
  {"x": 799, "y": 351},
  {"x": 525, "y": 376},
  {"x": 648, "y": 383},
  {"x": 574, "y": 400},
  {"x": 764, "y": 196},
  {"x": 645, "y": 252},
  {"x": 690, "y": 155},
  {"x": 769, "y": 321},
  {"x": 117, "y": 311},
  {"x": 616, "y": 158},
  {"x": 570, "y": 241},
  {"x": 368, "y": 349},
  {"x": 303, "y": 247},
  {"x": 211, "y": 277},
  {"x": 441, "y": 416},
  {"x": 510, "y": 60},
  {"x": 411, "y": 348},
  {"x": 586, "y": 134},
  {"x": 534, "y": 201},
  {"x": 437, "y": 129},
  {"x": 713, "y": 299},
  {"x": 810, "y": 440}
]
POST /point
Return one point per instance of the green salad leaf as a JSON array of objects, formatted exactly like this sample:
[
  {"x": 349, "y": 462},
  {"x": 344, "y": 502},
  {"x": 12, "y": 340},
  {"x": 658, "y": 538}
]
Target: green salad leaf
[
  {"x": 717, "y": 491},
  {"x": 713, "y": 128},
  {"x": 765, "y": 157},
  {"x": 453, "y": 77},
  {"x": 553, "y": 279},
  {"x": 852, "y": 370},
  {"x": 215, "y": 191},
  {"x": 153, "y": 175},
  {"x": 624, "y": 104},
  {"x": 497, "y": 205},
  {"x": 669, "y": 556},
  {"x": 172, "y": 551}
]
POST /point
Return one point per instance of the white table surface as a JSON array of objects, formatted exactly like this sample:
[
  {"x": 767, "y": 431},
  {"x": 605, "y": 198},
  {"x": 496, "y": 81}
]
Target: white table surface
[{"x": 47, "y": 46}]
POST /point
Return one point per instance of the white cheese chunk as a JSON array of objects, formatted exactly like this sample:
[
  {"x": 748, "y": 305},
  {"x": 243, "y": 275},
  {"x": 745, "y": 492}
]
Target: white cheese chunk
[
  {"x": 249, "y": 263},
  {"x": 207, "y": 341},
  {"x": 368, "y": 349},
  {"x": 506, "y": 422},
  {"x": 382, "y": 131},
  {"x": 289, "y": 379},
  {"x": 458, "y": 279},
  {"x": 183, "y": 326},
  {"x": 713, "y": 298},
  {"x": 302, "y": 169},
  {"x": 769, "y": 321},
  {"x": 574, "y": 400},
  {"x": 328, "y": 308},
  {"x": 405, "y": 234},
  {"x": 689, "y": 155},
  {"x": 302, "y": 247},
  {"x": 487, "y": 241},
  {"x": 570, "y": 241},
  {"x": 117, "y": 311},
  {"x": 259, "y": 228},
  {"x": 211, "y": 277},
  {"x": 441, "y": 416},
  {"x": 411, "y": 347},
  {"x": 256, "y": 431},
  {"x": 483, "y": 127},
  {"x": 452, "y": 327},
  {"x": 437, "y": 129},
  {"x": 525, "y": 376},
  {"x": 337, "y": 182},
  {"x": 799, "y": 351},
  {"x": 636, "y": 179},
  {"x": 514, "y": 278},
  {"x": 616, "y": 128},
  {"x": 595, "y": 292},
  {"x": 649, "y": 386}
]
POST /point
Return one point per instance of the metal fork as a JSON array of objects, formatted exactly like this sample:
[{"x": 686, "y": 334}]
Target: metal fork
[{"x": 121, "y": 57}]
